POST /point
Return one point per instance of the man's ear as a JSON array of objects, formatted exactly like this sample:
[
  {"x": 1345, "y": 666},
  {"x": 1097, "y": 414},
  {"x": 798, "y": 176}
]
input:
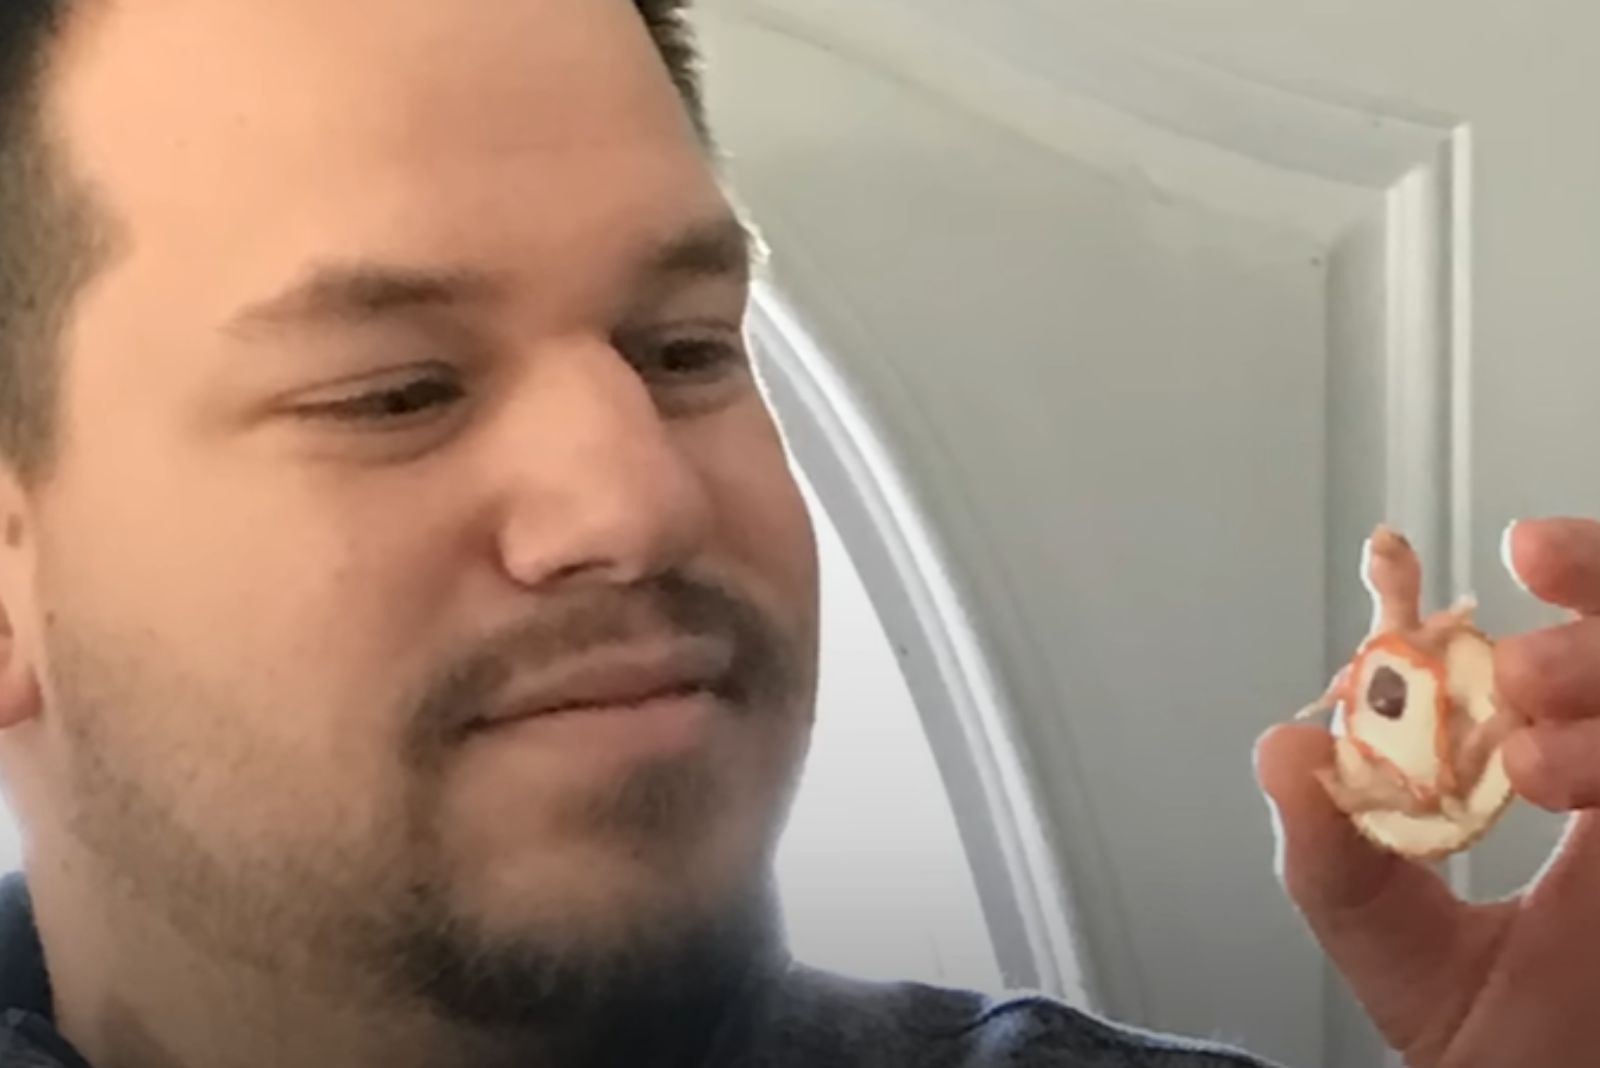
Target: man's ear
[
  {"x": 19, "y": 681},
  {"x": 20, "y": 698}
]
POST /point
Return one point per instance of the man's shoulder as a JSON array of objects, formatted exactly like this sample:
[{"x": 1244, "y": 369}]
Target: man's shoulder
[{"x": 822, "y": 1018}]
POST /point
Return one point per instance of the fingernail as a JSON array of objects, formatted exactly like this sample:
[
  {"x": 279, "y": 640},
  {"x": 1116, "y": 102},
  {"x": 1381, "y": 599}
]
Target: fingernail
[
  {"x": 1255, "y": 756},
  {"x": 1506, "y": 560},
  {"x": 1280, "y": 838}
]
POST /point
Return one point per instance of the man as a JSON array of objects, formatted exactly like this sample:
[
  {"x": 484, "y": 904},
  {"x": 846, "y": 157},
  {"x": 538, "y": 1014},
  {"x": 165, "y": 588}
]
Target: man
[{"x": 410, "y": 619}]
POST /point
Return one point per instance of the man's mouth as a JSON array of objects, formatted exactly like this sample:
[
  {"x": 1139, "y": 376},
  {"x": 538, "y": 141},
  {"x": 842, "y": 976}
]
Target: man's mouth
[{"x": 617, "y": 680}]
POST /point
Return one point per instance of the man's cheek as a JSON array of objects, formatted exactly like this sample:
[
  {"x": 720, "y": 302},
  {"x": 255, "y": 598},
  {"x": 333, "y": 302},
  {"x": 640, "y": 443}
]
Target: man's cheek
[{"x": 764, "y": 517}]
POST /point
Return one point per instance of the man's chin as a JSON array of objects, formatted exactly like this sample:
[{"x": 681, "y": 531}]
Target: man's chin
[
  {"x": 592, "y": 897},
  {"x": 498, "y": 811},
  {"x": 621, "y": 947},
  {"x": 599, "y": 879}
]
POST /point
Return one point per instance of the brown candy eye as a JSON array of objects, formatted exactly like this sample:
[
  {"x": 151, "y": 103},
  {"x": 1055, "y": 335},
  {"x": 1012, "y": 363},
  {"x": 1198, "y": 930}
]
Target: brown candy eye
[{"x": 1387, "y": 693}]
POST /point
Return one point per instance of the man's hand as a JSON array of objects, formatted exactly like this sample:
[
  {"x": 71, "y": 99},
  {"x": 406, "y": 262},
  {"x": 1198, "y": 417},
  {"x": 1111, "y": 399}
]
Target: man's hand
[{"x": 1510, "y": 984}]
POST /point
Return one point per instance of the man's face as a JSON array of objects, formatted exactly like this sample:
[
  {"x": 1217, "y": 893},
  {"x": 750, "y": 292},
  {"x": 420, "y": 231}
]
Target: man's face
[{"x": 416, "y": 396}]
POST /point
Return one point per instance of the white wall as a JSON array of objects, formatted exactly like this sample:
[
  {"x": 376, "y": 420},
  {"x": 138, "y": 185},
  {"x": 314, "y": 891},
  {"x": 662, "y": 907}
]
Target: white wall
[
  {"x": 10, "y": 841},
  {"x": 1159, "y": 305},
  {"x": 874, "y": 877}
]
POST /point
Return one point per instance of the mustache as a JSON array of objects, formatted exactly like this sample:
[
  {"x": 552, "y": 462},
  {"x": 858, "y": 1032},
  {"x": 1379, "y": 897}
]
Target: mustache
[{"x": 763, "y": 666}]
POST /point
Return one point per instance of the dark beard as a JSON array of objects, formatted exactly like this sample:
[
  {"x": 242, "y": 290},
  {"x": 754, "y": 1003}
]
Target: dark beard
[
  {"x": 663, "y": 980},
  {"x": 656, "y": 1000}
]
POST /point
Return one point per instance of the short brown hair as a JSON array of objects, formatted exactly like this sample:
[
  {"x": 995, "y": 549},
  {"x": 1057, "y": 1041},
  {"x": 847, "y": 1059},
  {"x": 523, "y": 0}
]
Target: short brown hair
[
  {"x": 52, "y": 238},
  {"x": 674, "y": 36}
]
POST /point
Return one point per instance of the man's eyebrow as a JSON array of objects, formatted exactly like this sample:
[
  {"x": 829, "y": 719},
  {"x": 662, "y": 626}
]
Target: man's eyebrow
[
  {"x": 721, "y": 246},
  {"x": 358, "y": 292}
]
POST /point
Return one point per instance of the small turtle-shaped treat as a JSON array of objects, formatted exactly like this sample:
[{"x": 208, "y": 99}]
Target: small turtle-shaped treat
[{"x": 1417, "y": 730}]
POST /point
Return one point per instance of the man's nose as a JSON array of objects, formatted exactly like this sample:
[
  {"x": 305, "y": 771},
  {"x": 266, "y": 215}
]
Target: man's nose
[{"x": 603, "y": 485}]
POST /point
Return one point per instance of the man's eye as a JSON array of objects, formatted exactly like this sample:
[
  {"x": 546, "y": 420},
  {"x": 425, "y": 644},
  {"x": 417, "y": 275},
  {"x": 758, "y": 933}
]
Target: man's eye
[
  {"x": 399, "y": 402},
  {"x": 689, "y": 361}
]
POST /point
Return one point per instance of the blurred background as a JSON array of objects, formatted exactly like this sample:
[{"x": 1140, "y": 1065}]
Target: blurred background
[{"x": 1103, "y": 332}]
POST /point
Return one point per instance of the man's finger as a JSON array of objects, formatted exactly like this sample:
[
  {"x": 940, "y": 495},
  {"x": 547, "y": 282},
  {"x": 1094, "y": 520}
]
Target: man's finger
[
  {"x": 1556, "y": 765},
  {"x": 1557, "y": 560},
  {"x": 1551, "y": 674},
  {"x": 1392, "y": 927}
]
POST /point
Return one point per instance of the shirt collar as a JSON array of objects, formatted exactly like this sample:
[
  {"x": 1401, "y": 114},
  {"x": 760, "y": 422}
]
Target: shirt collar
[{"x": 24, "y": 982}]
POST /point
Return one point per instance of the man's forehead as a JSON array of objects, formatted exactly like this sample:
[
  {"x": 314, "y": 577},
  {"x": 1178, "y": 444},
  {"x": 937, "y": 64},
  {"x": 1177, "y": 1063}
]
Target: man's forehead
[
  {"x": 249, "y": 138},
  {"x": 188, "y": 85}
]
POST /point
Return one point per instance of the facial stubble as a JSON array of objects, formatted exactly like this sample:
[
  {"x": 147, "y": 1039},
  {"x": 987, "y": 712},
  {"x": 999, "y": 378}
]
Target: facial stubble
[{"x": 388, "y": 908}]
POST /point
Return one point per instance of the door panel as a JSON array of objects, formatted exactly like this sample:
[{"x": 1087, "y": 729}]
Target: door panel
[{"x": 1154, "y": 309}]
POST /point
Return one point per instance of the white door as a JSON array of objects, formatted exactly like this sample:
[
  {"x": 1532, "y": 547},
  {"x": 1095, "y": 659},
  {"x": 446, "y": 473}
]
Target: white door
[{"x": 1130, "y": 318}]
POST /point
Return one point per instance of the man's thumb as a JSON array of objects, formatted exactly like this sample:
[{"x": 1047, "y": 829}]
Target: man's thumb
[
  {"x": 1391, "y": 926},
  {"x": 1326, "y": 866}
]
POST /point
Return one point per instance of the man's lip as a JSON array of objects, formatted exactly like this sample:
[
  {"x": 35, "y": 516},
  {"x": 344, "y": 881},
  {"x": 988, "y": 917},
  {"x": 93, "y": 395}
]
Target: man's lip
[{"x": 618, "y": 679}]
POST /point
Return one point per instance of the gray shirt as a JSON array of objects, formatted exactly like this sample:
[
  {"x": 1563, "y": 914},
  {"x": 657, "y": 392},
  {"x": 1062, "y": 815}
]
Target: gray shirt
[{"x": 815, "y": 1019}]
